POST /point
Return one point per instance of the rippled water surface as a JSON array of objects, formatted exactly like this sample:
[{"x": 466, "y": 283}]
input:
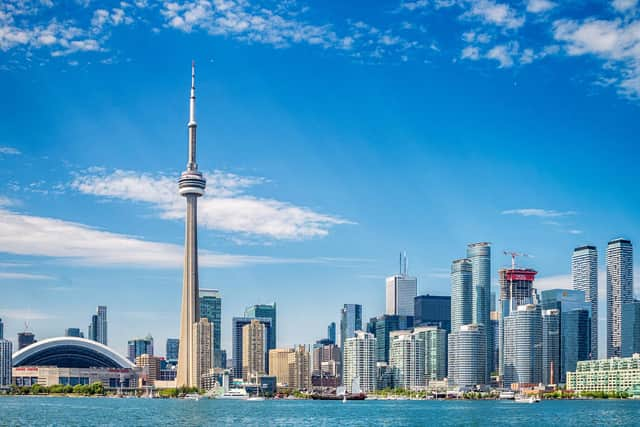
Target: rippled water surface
[{"x": 61, "y": 411}]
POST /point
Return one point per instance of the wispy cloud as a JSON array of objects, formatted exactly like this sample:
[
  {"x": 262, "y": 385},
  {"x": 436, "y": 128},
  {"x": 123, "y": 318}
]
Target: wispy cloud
[
  {"x": 540, "y": 6},
  {"x": 225, "y": 207},
  {"x": 24, "y": 314},
  {"x": 7, "y": 275},
  {"x": 535, "y": 212},
  {"x": 9, "y": 150},
  {"x": 494, "y": 13}
]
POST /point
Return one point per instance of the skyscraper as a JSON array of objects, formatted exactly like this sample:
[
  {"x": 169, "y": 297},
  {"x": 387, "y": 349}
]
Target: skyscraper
[
  {"x": 432, "y": 310},
  {"x": 401, "y": 289},
  {"x": 172, "y": 349},
  {"x": 202, "y": 351},
  {"x": 350, "y": 321},
  {"x": 101, "y": 331},
  {"x": 461, "y": 294},
  {"x": 575, "y": 326},
  {"x": 523, "y": 346},
  {"x": 6, "y": 352},
  {"x": 25, "y": 339},
  {"x": 1, "y": 330},
  {"x": 279, "y": 364},
  {"x": 631, "y": 328},
  {"x": 619, "y": 291},
  {"x": 237, "y": 323},
  {"x": 331, "y": 332},
  {"x": 406, "y": 360},
  {"x": 386, "y": 324},
  {"x": 467, "y": 356},
  {"x": 211, "y": 309},
  {"x": 254, "y": 349},
  {"x": 551, "y": 346},
  {"x": 299, "y": 368},
  {"x": 73, "y": 332},
  {"x": 191, "y": 186},
  {"x": 480, "y": 256},
  {"x": 584, "y": 274},
  {"x": 139, "y": 346},
  {"x": 359, "y": 354},
  {"x": 435, "y": 351},
  {"x": 265, "y": 311},
  {"x": 92, "y": 330}
]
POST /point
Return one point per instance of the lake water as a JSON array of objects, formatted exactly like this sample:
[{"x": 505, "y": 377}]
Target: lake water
[{"x": 61, "y": 411}]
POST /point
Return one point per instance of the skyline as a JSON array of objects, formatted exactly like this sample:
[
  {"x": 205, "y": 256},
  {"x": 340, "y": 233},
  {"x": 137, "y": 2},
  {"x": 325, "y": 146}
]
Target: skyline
[{"x": 336, "y": 173}]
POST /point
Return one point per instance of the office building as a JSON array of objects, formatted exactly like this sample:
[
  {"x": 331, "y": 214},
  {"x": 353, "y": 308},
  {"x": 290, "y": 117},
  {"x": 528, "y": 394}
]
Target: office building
[
  {"x": 150, "y": 366},
  {"x": 1, "y": 330},
  {"x": 202, "y": 351},
  {"x": 237, "y": 323},
  {"x": 73, "y": 332},
  {"x": 279, "y": 365},
  {"x": 401, "y": 289},
  {"x": 550, "y": 346},
  {"x": 331, "y": 332},
  {"x": 25, "y": 339},
  {"x": 479, "y": 254},
  {"x": 139, "y": 346},
  {"x": 619, "y": 291},
  {"x": 461, "y": 294},
  {"x": 172, "y": 349},
  {"x": 299, "y": 368},
  {"x": 6, "y": 363},
  {"x": 92, "y": 330},
  {"x": 516, "y": 288},
  {"x": 433, "y": 310},
  {"x": 211, "y": 308},
  {"x": 191, "y": 186},
  {"x": 350, "y": 321},
  {"x": 359, "y": 355},
  {"x": 606, "y": 375},
  {"x": 584, "y": 275},
  {"x": 434, "y": 340},
  {"x": 384, "y": 325},
  {"x": 406, "y": 360},
  {"x": 631, "y": 328},
  {"x": 523, "y": 346},
  {"x": 324, "y": 352},
  {"x": 467, "y": 356},
  {"x": 98, "y": 325},
  {"x": 254, "y": 347},
  {"x": 265, "y": 311},
  {"x": 495, "y": 331},
  {"x": 575, "y": 326}
]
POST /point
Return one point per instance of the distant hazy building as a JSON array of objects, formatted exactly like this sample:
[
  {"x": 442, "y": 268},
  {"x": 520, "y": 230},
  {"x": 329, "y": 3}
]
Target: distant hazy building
[
  {"x": 269, "y": 312},
  {"x": 254, "y": 346},
  {"x": 73, "y": 332},
  {"x": 606, "y": 375},
  {"x": 551, "y": 346},
  {"x": 331, "y": 332},
  {"x": 434, "y": 340},
  {"x": 25, "y": 339},
  {"x": 467, "y": 356},
  {"x": 299, "y": 368},
  {"x": 433, "y": 310},
  {"x": 98, "y": 326},
  {"x": 575, "y": 326},
  {"x": 237, "y": 323},
  {"x": 631, "y": 328},
  {"x": 202, "y": 351},
  {"x": 406, "y": 360},
  {"x": 384, "y": 325},
  {"x": 619, "y": 291},
  {"x": 6, "y": 352},
  {"x": 139, "y": 346},
  {"x": 523, "y": 346},
  {"x": 324, "y": 352},
  {"x": 584, "y": 275},
  {"x": 211, "y": 308},
  {"x": 359, "y": 354},
  {"x": 279, "y": 364},
  {"x": 172, "y": 349},
  {"x": 461, "y": 294},
  {"x": 1, "y": 330},
  {"x": 401, "y": 289}
]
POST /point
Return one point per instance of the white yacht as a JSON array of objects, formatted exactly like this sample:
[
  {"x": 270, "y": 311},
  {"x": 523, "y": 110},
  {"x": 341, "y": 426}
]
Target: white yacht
[{"x": 235, "y": 393}]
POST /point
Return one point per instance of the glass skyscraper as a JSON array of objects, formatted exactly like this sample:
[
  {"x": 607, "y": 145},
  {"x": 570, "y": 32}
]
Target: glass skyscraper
[
  {"x": 584, "y": 275},
  {"x": 550, "y": 346},
  {"x": 73, "y": 332},
  {"x": 631, "y": 328},
  {"x": 172, "y": 349},
  {"x": 575, "y": 326},
  {"x": 6, "y": 354},
  {"x": 1, "y": 330},
  {"x": 401, "y": 290},
  {"x": 350, "y": 321},
  {"x": 211, "y": 309},
  {"x": 467, "y": 356},
  {"x": 435, "y": 351},
  {"x": 384, "y": 325},
  {"x": 268, "y": 311},
  {"x": 237, "y": 323},
  {"x": 619, "y": 291},
  {"x": 139, "y": 346},
  {"x": 480, "y": 256},
  {"x": 523, "y": 346},
  {"x": 461, "y": 294},
  {"x": 433, "y": 310},
  {"x": 331, "y": 332}
]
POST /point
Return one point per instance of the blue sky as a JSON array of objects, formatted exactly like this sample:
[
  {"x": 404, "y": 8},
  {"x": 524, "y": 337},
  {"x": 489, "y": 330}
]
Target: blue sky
[{"x": 333, "y": 136}]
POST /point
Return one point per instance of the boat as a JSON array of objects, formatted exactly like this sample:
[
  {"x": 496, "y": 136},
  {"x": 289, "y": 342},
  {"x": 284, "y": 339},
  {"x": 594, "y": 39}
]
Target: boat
[
  {"x": 527, "y": 399},
  {"x": 256, "y": 398},
  {"x": 192, "y": 396},
  {"x": 507, "y": 395},
  {"x": 346, "y": 396},
  {"x": 235, "y": 394}
]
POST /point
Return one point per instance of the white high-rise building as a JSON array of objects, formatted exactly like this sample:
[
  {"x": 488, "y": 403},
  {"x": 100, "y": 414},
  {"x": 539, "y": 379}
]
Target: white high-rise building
[
  {"x": 461, "y": 294},
  {"x": 584, "y": 274},
  {"x": 523, "y": 348},
  {"x": 619, "y": 291},
  {"x": 435, "y": 351},
  {"x": 406, "y": 360},
  {"x": 360, "y": 361},
  {"x": 468, "y": 356},
  {"x": 6, "y": 353},
  {"x": 401, "y": 292}
]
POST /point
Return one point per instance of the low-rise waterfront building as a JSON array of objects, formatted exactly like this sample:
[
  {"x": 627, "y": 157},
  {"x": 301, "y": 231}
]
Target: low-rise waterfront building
[{"x": 606, "y": 375}]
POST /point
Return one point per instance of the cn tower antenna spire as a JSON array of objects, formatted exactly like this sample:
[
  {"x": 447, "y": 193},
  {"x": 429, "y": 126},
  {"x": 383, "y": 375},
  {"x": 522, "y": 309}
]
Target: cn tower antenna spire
[{"x": 192, "y": 125}]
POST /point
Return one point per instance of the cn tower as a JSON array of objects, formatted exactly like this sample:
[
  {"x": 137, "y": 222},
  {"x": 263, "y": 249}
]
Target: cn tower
[{"x": 191, "y": 185}]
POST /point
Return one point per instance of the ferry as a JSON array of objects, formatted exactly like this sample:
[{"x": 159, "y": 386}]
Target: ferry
[
  {"x": 507, "y": 395},
  {"x": 235, "y": 394},
  {"x": 527, "y": 399}
]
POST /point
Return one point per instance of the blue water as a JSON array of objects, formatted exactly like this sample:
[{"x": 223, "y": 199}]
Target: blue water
[{"x": 61, "y": 411}]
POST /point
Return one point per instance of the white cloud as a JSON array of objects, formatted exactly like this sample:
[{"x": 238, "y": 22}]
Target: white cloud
[
  {"x": 503, "y": 54},
  {"x": 498, "y": 14},
  {"x": 470, "y": 52},
  {"x": 542, "y": 213},
  {"x": 7, "y": 275},
  {"x": 9, "y": 150},
  {"x": 49, "y": 237},
  {"x": 24, "y": 314},
  {"x": 539, "y": 6},
  {"x": 624, "y": 5},
  {"x": 225, "y": 207}
]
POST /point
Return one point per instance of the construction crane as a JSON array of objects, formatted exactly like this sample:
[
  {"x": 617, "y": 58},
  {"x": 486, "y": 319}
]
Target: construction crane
[{"x": 513, "y": 256}]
